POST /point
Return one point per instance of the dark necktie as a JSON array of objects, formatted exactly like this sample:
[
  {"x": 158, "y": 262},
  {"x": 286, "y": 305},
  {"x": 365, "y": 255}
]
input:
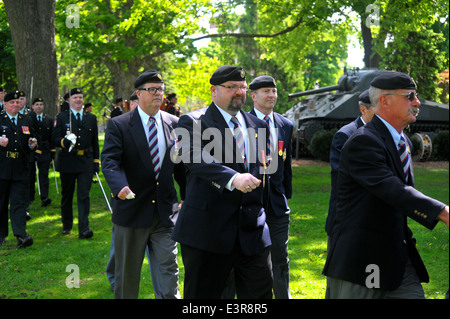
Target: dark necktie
[
  {"x": 270, "y": 144},
  {"x": 13, "y": 119},
  {"x": 404, "y": 156},
  {"x": 39, "y": 118},
  {"x": 78, "y": 119},
  {"x": 239, "y": 139},
  {"x": 153, "y": 145}
]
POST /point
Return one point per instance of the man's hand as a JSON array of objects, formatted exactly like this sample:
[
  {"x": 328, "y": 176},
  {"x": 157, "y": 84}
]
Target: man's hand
[
  {"x": 3, "y": 141},
  {"x": 125, "y": 193},
  {"x": 246, "y": 182},
  {"x": 443, "y": 216}
]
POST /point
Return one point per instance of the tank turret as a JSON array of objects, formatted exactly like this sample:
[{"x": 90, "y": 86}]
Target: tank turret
[{"x": 333, "y": 106}]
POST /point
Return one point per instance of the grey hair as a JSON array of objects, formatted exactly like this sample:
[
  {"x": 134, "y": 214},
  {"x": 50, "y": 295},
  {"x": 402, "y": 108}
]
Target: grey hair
[{"x": 374, "y": 95}]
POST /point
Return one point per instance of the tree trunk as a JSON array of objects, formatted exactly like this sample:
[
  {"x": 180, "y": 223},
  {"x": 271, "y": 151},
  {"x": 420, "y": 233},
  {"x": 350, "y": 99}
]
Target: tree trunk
[{"x": 32, "y": 24}]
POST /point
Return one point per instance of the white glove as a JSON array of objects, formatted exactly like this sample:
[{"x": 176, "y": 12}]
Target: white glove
[
  {"x": 131, "y": 195},
  {"x": 72, "y": 138}
]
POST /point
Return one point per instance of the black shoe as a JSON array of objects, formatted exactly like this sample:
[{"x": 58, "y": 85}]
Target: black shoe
[
  {"x": 28, "y": 216},
  {"x": 87, "y": 234},
  {"x": 23, "y": 242},
  {"x": 66, "y": 232},
  {"x": 2, "y": 240},
  {"x": 46, "y": 201}
]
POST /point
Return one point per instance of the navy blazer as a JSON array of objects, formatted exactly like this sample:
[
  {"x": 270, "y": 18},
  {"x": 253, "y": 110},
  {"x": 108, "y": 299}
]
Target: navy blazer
[
  {"x": 373, "y": 203},
  {"x": 213, "y": 218},
  {"x": 126, "y": 161},
  {"x": 16, "y": 169},
  {"x": 280, "y": 182},
  {"x": 87, "y": 141},
  {"x": 337, "y": 143}
]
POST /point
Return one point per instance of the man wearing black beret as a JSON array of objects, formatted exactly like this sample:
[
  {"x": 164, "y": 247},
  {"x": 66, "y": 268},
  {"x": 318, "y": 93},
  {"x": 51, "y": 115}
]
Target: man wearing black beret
[
  {"x": 17, "y": 140},
  {"x": 76, "y": 134},
  {"x": 138, "y": 164},
  {"x": 279, "y": 182},
  {"x": 371, "y": 252},
  {"x": 44, "y": 153},
  {"x": 222, "y": 223},
  {"x": 339, "y": 139}
]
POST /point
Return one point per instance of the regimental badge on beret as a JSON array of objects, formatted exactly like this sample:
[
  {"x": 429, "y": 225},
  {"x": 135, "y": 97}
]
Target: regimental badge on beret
[
  {"x": 75, "y": 91},
  {"x": 394, "y": 81},
  {"x": 11, "y": 96},
  {"x": 38, "y": 99},
  {"x": 263, "y": 81},
  {"x": 149, "y": 76},
  {"x": 227, "y": 73}
]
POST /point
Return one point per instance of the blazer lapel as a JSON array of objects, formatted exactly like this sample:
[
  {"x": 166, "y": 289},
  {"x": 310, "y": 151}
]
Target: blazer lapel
[{"x": 140, "y": 140}]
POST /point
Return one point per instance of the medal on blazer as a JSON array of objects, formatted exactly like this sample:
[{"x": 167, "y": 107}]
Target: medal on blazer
[
  {"x": 280, "y": 148},
  {"x": 25, "y": 130},
  {"x": 284, "y": 155},
  {"x": 177, "y": 150}
]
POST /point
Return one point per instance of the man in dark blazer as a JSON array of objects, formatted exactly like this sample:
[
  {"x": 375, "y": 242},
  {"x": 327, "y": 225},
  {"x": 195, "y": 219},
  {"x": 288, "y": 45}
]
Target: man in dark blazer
[
  {"x": 44, "y": 153},
  {"x": 76, "y": 133},
  {"x": 144, "y": 199},
  {"x": 279, "y": 182},
  {"x": 372, "y": 253},
  {"x": 17, "y": 140},
  {"x": 222, "y": 223},
  {"x": 337, "y": 143}
]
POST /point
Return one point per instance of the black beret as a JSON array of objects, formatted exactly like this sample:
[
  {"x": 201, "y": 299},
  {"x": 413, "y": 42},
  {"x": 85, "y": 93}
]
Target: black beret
[
  {"x": 133, "y": 96},
  {"x": 364, "y": 97},
  {"x": 149, "y": 76},
  {"x": 2, "y": 89},
  {"x": 88, "y": 104},
  {"x": 393, "y": 81},
  {"x": 171, "y": 95},
  {"x": 263, "y": 81},
  {"x": 21, "y": 93},
  {"x": 227, "y": 73},
  {"x": 11, "y": 96},
  {"x": 38, "y": 99},
  {"x": 75, "y": 91},
  {"x": 119, "y": 99}
]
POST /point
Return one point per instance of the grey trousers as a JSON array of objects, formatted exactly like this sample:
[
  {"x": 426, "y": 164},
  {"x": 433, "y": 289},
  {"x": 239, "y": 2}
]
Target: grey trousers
[
  {"x": 130, "y": 246},
  {"x": 410, "y": 288}
]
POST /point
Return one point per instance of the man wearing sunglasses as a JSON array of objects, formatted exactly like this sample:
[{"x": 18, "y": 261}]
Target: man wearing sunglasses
[{"x": 372, "y": 253}]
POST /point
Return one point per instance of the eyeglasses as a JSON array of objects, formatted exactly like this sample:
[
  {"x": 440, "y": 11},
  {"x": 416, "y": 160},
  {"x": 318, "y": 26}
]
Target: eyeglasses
[
  {"x": 411, "y": 95},
  {"x": 153, "y": 90},
  {"x": 234, "y": 88}
]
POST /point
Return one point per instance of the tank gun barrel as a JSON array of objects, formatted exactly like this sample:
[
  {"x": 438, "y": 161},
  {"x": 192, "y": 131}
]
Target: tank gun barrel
[{"x": 319, "y": 90}]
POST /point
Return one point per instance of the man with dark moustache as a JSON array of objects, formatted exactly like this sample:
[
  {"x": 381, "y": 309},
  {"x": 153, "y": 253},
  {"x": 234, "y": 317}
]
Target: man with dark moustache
[{"x": 222, "y": 223}]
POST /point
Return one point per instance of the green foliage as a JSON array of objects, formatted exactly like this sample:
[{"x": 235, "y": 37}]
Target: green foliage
[
  {"x": 321, "y": 143},
  {"x": 441, "y": 146}
]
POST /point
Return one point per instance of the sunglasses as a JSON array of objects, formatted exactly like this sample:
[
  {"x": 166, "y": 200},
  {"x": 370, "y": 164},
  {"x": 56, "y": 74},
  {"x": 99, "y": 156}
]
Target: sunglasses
[{"x": 411, "y": 95}]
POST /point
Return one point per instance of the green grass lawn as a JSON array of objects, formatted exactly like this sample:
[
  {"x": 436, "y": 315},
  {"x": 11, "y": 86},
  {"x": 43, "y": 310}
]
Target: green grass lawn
[{"x": 39, "y": 271}]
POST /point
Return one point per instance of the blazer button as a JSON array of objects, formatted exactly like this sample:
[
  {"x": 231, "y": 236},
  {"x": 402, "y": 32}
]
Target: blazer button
[
  {"x": 404, "y": 241},
  {"x": 157, "y": 183},
  {"x": 153, "y": 201}
]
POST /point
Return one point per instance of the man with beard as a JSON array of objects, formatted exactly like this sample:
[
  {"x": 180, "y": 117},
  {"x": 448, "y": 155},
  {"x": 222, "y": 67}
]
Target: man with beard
[
  {"x": 222, "y": 223},
  {"x": 371, "y": 252}
]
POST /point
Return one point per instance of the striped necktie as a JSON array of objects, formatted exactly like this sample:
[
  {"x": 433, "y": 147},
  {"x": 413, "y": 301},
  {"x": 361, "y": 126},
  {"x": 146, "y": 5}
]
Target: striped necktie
[
  {"x": 239, "y": 139},
  {"x": 153, "y": 145},
  {"x": 270, "y": 142},
  {"x": 404, "y": 156}
]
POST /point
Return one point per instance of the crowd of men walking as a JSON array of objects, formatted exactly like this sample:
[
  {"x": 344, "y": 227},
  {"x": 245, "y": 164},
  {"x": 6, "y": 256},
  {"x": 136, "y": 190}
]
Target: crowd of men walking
[{"x": 232, "y": 220}]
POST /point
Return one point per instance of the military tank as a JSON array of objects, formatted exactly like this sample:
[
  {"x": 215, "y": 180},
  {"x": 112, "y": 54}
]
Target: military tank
[{"x": 332, "y": 107}]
